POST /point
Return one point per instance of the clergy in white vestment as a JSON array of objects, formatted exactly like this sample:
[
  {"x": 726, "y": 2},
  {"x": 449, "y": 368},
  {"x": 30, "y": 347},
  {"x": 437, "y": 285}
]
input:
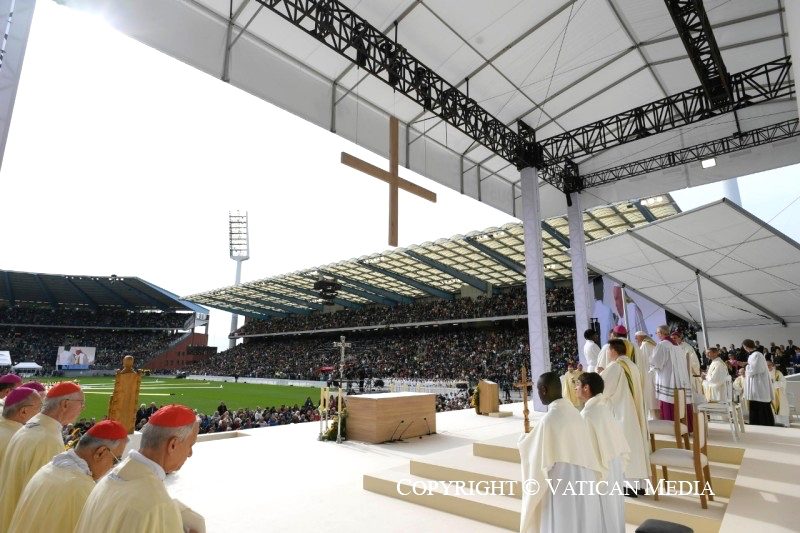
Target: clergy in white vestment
[
  {"x": 758, "y": 387},
  {"x": 716, "y": 377},
  {"x": 671, "y": 372},
  {"x": 568, "y": 383},
  {"x": 8, "y": 382},
  {"x": 631, "y": 350},
  {"x": 21, "y": 405},
  {"x": 132, "y": 498},
  {"x": 780, "y": 403},
  {"x": 35, "y": 445},
  {"x": 693, "y": 366},
  {"x": 554, "y": 454},
  {"x": 591, "y": 350},
  {"x": 647, "y": 346},
  {"x": 610, "y": 447},
  {"x": 54, "y": 497},
  {"x": 623, "y": 392}
]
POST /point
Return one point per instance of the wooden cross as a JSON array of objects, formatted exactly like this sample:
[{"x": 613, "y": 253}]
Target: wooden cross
[
  {"x": 391, "y": 177},
  {"x": 523, "y": 385}
]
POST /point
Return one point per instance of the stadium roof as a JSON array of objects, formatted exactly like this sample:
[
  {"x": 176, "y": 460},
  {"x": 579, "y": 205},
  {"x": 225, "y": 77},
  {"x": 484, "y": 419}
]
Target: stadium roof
[
  {"x": 609, "y": 84},
  {"x": 749, "y": 272},
  {"x": 494, "y": 256},
  {"x": 29, "y": 289}
]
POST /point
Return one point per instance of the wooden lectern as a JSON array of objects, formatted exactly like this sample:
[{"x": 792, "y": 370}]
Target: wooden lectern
[{"x": 489, "y": 398}]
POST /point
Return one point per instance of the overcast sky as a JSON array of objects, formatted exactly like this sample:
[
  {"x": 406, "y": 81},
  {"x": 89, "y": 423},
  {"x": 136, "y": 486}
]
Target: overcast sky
[{"x": 123, "y": 160}]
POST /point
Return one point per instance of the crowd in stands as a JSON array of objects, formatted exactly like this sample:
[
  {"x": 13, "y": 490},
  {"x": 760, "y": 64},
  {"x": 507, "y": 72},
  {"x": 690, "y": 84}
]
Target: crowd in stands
[
  {"x": 509, "y": 302},
  {"x": 785, "y": 356},
  {"x": 445, "y": 353},
  {"x": 41, "y": 345},
  {"x": 89, "y": 318},
  {"x": 452, "y": 401}
]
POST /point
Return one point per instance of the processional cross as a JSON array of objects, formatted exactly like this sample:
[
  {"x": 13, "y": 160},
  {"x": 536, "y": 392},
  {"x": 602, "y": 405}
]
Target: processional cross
[
  {"x": 391, "y": 177},
  {"x": 341, "y": 345},
  {"x": 523, "y": 384}
]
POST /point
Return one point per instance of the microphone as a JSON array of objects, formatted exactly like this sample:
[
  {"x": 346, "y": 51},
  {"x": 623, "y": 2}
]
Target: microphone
[
  {"x": 403, "y": 432},
  {"x": 428, "y": 425},
  {"x": 391, "y": 439}
]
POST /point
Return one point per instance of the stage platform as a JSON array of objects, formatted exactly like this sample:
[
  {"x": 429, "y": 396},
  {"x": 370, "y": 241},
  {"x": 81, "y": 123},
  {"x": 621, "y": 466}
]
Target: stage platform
[{"x": 283, "y": 479}]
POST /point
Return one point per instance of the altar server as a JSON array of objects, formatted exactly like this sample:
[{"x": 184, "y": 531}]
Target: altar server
[
  {"x": 555, "y": 452},
  {"x": 610, "y": 447},
  {"x": 780, "y": 403},
  {"x": 758, "y": 387}
]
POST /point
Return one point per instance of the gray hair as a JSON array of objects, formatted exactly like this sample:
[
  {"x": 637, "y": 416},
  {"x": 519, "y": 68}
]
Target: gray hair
[
  {"x": 91, "y": 443},
  {"x": 10, "y": 411},
  {"x": 50, "y": 405},
  {"x": 153, "y": 437},
  {"x": 664, "y": 330}
]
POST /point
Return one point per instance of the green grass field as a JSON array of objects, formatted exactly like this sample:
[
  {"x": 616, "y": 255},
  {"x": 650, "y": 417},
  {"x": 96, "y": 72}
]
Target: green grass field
[{"x": 201, "y": 395}]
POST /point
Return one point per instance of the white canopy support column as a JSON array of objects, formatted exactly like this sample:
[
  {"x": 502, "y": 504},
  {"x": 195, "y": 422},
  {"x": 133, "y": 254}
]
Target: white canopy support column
[
  {"x": 580, "y": 273},
  {"x": 624, "y": 297},
  {"x": 534, "y": 275},
  {"x": 702, "y": 313},
  {"x": 792, "y": 18}
]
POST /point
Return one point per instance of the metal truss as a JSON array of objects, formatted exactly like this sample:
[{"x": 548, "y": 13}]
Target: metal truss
[
  {"x": 698, "y": 152},
  {"x": 752, "y": 86},
  {"x": 345, "y": 32},
  {"x": 339, "y": 28},
  {"x": 695, "y": 31}
]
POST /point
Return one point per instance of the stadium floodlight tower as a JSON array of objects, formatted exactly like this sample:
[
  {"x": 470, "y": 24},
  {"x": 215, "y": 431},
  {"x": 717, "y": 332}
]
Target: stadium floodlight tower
[{"x": 240, "y": 251}]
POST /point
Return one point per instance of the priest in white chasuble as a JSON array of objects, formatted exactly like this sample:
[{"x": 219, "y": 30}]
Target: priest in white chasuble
[
  {"x": 780, "y": 403},
  {"x": 132, "y": 498},
  {"x": 716, "y": 377},
  {"x": 36, "y": 444},
  {"x": 692, "y": 365},
  {"x": 21, "y": 405},
  {"x": 568, "y": 383},
  {"x": 647, "y": 346},
  {"x": 556, "y": 462},
  {"x": 623, "y": 391},
  {"x": 610, "y": 447},
  {"x": 54, "y": 497},
  {"x": 671, "y": 372}
]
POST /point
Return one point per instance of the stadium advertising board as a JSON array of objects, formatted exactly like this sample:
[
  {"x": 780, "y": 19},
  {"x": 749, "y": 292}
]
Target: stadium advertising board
[
  {"x": 5, "y": 358},
  {"x": 75, "y": 357}
]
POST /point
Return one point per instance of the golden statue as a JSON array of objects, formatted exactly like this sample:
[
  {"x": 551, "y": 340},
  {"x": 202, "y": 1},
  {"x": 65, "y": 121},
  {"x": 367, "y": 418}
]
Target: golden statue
[{"x": 125, "y": 398}]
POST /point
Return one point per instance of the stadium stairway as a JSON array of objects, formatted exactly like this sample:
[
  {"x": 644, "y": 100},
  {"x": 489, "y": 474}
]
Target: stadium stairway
[{"x": 498, "y": 460}]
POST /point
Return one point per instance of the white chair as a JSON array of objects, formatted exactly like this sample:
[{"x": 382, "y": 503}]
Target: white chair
[
  {"x": 677, "y": 428},
  {"x": 724, "y": 408},
  {"x": 696, "y": 458},
  {"x": 792, "y": 399}
]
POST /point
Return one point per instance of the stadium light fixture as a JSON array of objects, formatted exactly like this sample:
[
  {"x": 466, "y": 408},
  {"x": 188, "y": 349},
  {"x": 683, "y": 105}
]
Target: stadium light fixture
[
  {"x": 708, "y": 163},
  {"x": 239, "y": 236},
  {"x": 239, "y": 240}
]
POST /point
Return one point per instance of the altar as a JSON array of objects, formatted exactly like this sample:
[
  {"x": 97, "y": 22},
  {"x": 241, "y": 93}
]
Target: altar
[{"x": 377, "y": 418}]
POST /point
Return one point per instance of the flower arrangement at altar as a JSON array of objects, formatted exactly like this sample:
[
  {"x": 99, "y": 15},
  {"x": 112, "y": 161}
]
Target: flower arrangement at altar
[
  {"x": 475, "y": 400},
  {"x": 332, "y": 431}
]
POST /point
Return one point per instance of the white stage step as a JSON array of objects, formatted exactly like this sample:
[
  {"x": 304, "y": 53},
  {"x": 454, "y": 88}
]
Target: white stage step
[{"x": 504, "y": 511}]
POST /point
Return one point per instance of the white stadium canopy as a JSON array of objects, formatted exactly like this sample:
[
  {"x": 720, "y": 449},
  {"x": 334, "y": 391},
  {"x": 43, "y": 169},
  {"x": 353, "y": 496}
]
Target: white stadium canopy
[
  {"x": 604, "y": 82},
  {"x": 748, "y": 272}
]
